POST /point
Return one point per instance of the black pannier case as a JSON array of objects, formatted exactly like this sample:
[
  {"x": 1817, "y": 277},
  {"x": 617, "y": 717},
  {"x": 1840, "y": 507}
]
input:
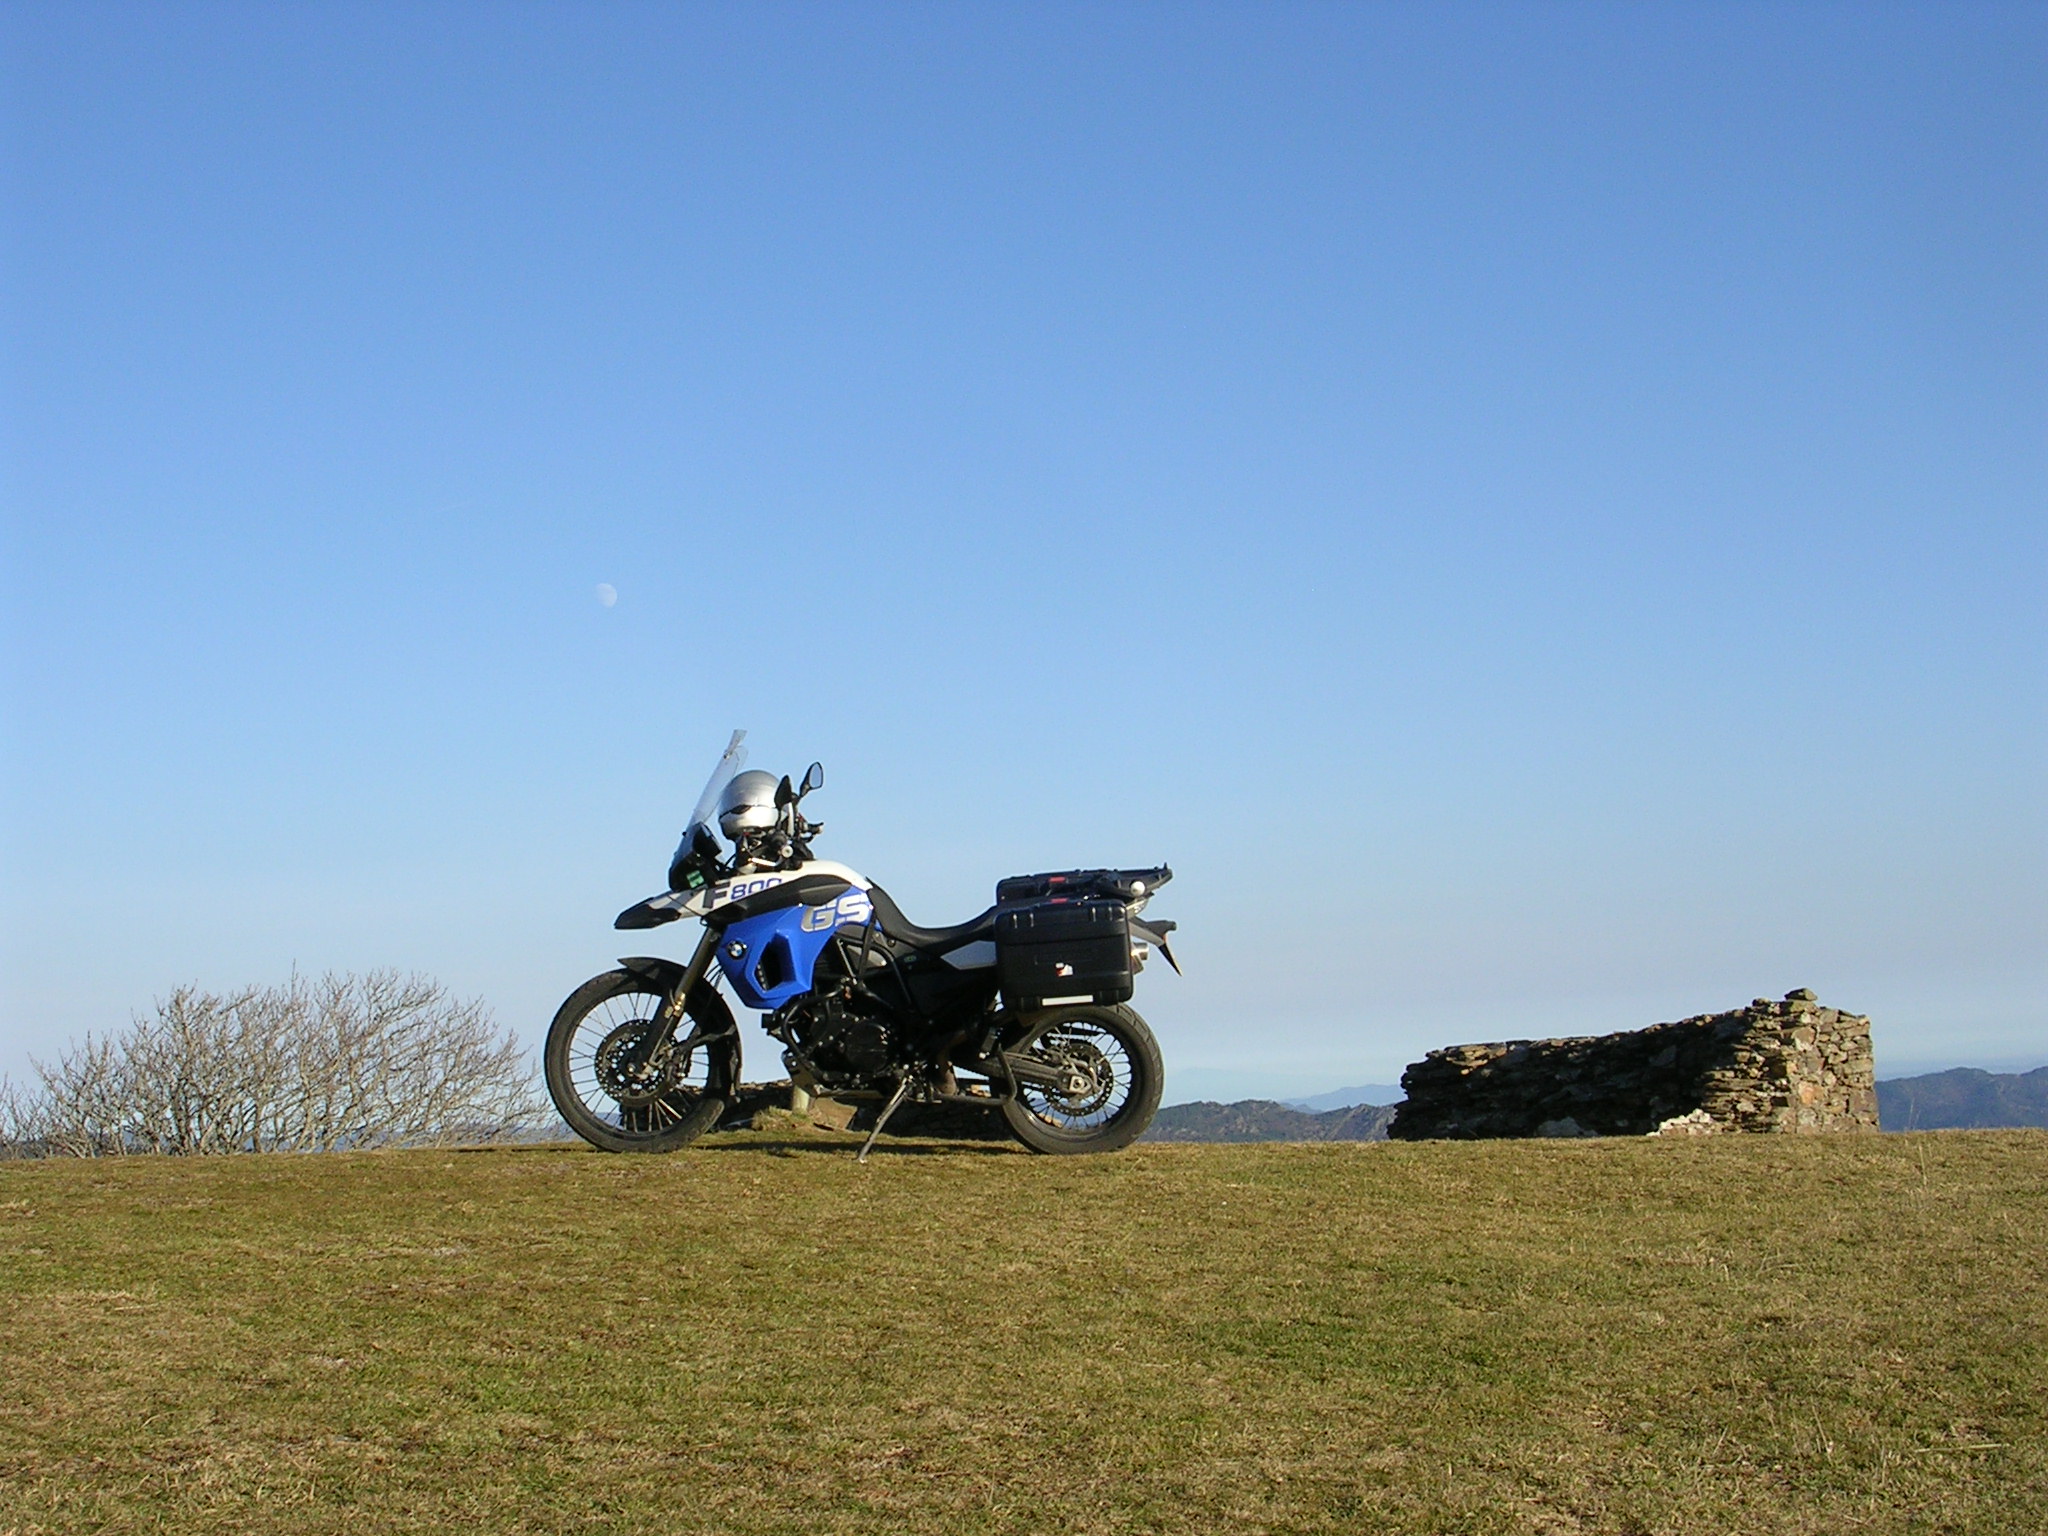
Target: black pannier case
[{"x": 1062, "y": 950}]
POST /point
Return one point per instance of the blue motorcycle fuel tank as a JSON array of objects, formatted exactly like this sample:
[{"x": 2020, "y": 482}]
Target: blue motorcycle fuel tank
[{"x": 769, "y": 959}]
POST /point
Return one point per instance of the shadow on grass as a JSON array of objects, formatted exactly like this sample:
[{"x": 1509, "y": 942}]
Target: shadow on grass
[
  {"x": 823, "y": 1144},
  {"x": 848, "y": 1146}
]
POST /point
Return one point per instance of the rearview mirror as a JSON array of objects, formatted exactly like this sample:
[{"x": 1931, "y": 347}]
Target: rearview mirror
[{"x": 814, "y": 777}]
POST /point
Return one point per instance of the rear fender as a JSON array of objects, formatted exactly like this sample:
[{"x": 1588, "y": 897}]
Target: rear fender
[{"x": 1154, "y": 933}]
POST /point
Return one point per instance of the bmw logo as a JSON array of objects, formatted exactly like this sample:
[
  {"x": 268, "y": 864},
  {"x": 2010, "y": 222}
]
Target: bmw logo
[{"x": 735, "y": 950}]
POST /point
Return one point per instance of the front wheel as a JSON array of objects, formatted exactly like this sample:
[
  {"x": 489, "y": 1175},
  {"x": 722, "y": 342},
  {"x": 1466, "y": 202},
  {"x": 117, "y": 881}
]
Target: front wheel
[
  {"x": 619, "y": 1083},
  {"x": 1094, "y": 1081}
]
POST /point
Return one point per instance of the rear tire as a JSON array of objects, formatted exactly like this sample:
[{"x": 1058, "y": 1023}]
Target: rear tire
[
  {"x": 1115, "y": 1079},
  {"x": 591, "y": 1072}
]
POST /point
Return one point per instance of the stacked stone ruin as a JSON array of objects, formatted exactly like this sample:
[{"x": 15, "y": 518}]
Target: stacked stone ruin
[{"x": 1784, "y": 1066}]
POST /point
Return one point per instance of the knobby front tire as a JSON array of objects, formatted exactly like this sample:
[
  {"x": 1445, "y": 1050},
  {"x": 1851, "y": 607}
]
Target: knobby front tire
[
  {"x": 1114, "y": 1080},
  {"x": 590, "y": 1066}
]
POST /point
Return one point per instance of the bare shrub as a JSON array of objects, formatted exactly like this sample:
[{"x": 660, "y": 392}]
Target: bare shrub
[
  {"x": 24, "y": 1126},
  {"x": 376, "y": 1060}
]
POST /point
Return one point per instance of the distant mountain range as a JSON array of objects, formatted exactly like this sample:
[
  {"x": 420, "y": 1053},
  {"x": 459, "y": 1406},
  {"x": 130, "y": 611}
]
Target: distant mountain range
[
  {"x": 1344, "y": 1098},
  {"x": 1265, "y": 1120},
  {"x": 1965, "y": 1098}
]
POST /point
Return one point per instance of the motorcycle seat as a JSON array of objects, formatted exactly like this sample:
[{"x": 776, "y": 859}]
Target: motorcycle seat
[{"x": 890, "y": 919}]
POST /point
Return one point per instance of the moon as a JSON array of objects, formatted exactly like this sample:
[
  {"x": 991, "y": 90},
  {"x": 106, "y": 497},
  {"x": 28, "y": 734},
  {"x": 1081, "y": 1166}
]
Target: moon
[{"x": 607, "y": 594}]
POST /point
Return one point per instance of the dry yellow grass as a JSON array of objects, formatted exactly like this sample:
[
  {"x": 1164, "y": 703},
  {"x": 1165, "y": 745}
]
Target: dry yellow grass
[{"x": 759, "y": 1335}]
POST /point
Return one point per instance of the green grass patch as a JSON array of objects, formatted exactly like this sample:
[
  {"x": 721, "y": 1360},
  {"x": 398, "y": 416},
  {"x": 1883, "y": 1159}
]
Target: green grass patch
[{"x": 1734, "y": 1334}]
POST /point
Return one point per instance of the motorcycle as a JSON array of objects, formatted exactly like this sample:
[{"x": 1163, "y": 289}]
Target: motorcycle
[{"x": 1020, "y": 1011}]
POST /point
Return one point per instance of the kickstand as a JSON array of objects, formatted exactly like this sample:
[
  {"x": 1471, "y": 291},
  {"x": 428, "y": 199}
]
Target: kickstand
[{"x": 888, "y": 1109}]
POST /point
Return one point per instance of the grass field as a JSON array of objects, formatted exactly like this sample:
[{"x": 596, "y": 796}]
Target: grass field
[{"x": 758, "y": 1335}]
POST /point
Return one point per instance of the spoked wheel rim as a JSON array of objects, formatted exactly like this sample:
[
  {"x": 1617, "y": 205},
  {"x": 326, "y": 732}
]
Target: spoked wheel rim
[
  {"x": 613, "y": 1077},
  {"x": 1097, "y": 1076}
]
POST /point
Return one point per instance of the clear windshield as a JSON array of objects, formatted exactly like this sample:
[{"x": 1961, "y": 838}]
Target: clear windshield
[{"x": 732, "y": 762}]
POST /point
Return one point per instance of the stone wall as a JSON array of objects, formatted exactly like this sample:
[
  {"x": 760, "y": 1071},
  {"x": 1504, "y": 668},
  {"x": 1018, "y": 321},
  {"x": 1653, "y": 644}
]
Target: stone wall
[{"x": 1786, "y": 1066}]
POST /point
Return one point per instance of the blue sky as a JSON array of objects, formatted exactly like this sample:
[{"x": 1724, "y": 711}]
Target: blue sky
[{"x": 1539, "y": 513}]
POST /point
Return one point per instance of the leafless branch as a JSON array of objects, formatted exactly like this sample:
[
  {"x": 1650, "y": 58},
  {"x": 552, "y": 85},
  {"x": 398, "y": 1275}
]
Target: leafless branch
[{"x": 376, "y": 1060}]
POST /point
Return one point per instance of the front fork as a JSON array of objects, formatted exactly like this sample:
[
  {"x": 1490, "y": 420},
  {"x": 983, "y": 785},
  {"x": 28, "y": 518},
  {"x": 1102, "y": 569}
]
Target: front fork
[
  {"x": 676, "y": 1008},
  {"x": 694, "y": 972}
]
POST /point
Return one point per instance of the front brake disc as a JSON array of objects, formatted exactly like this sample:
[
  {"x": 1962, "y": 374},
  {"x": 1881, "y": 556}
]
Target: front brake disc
[{"x": 622, "y": 1070}]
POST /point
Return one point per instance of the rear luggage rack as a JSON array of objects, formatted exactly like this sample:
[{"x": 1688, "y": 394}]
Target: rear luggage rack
[{"x": 1120, "y": 884}]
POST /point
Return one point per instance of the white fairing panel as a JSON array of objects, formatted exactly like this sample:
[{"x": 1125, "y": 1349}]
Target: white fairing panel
[{"x": 749, "y": 882}]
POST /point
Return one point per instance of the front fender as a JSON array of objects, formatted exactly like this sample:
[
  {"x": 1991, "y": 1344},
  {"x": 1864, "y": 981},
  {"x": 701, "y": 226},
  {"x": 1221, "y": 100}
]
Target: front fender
[{"x": 665, "y": 974}]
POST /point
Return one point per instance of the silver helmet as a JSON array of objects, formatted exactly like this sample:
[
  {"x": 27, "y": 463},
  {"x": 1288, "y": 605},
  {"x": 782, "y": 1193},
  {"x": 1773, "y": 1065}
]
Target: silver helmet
[{"x": 747, "y": 805}]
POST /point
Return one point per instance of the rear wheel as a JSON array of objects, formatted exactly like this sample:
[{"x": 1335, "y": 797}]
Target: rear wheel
[
  {"x": 615, "y": 1083},
  {"x": 1099, "y": 1084}
]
